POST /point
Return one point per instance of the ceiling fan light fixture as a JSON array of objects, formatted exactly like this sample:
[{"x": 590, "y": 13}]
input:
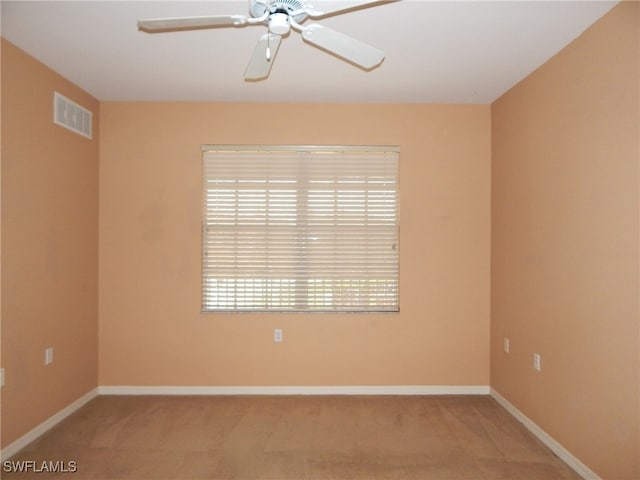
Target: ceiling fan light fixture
[{"x": 279, "y": 23}]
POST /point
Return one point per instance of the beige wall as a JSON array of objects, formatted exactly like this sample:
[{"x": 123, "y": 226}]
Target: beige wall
[
  {"x": 151, "y": 330},
  {"x": 565, "y": 263},
  {"x": 49, "y": 247}
]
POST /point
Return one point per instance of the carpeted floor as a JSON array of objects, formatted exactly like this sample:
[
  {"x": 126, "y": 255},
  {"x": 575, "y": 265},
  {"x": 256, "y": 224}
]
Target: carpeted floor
[{"x": 290, "y": 437}]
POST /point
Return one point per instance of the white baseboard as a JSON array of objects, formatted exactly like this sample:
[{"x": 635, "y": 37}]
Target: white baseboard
[
  {"x": 579, "y": 467},
  {"x": 323, "y": 390},
  {"x": 49, "y": 423}
]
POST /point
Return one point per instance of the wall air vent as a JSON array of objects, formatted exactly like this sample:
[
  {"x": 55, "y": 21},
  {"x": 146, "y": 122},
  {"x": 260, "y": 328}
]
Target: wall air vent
[{"x": 69, "y": 114}]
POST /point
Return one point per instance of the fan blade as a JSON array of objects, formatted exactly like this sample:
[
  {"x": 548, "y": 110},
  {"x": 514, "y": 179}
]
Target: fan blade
[
  {"x": 166, "y": 24},
  {"x": 320, "y": 8},
  {"x": 343, "y": 46},
  {"x": 262, "y": 58}
]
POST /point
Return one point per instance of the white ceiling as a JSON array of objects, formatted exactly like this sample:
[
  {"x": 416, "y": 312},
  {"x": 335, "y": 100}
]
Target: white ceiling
[{"x": 436, "y": 51}]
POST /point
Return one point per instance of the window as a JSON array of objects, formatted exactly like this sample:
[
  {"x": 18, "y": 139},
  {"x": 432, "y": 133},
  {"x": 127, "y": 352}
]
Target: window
[{"x": 300, "y": 229}]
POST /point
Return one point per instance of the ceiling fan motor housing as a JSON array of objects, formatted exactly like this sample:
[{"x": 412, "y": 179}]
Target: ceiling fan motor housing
[{"x": 278, "y": 8}]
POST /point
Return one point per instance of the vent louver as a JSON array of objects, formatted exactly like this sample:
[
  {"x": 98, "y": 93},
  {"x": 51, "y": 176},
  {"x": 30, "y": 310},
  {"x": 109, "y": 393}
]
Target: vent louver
[{"x": 72, "y": 116}]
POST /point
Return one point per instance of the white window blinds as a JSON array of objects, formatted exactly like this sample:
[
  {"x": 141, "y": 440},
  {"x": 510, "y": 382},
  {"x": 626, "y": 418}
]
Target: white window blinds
[{"x": 300, "y": 229}]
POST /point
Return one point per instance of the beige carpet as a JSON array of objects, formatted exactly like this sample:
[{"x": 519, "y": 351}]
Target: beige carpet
[{"x": 291, "y": 437}]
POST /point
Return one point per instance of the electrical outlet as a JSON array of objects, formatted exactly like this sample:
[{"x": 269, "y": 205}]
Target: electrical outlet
[
  {"x": 48, "y": 356},
  {"x": 506, "y": 345},
  {"x": 277, "y": 335},
  {"x": 536, "y": 362},
  {"x": 1, "y": 377}
]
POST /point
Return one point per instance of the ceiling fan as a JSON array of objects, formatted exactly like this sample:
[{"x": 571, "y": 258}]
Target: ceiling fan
[{"x": 280, "y": 16}]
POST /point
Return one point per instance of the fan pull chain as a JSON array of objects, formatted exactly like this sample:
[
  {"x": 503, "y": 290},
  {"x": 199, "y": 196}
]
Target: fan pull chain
[{"x": 268, "y": 48}]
